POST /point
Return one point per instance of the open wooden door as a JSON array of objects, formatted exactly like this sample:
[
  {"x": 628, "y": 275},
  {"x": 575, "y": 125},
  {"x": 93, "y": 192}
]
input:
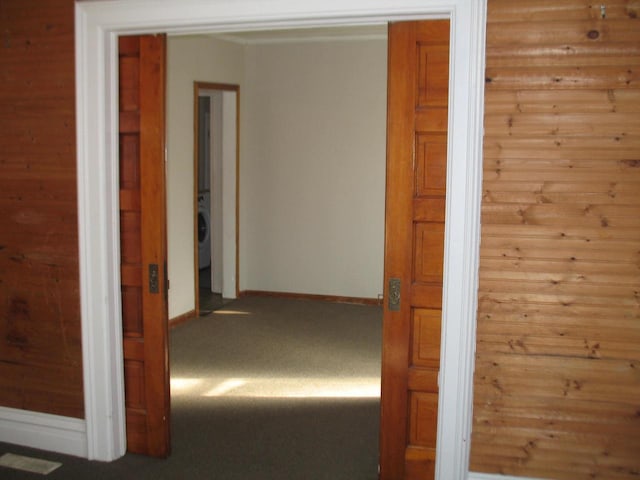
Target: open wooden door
[
  {"x": 143, "y": 243},
  {"x": 418, "y": 81}
]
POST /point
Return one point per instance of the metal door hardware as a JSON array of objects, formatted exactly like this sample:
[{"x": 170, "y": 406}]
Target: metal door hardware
[
  {"x": 394, "y": 294},
  {"x": 154, "y": 278}
]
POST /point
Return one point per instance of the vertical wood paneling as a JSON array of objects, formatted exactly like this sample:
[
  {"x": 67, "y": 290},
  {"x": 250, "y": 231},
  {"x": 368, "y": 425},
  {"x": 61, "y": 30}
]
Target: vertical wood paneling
[
  {"x": 40, "y": 350},
  {"x": 426, "y": 341},
  {"x": 416, "y": 188},
  {"x": 142, "y": 62},
  {"x": 430, "y": 160},
  {"x": 557, "y": 388}
]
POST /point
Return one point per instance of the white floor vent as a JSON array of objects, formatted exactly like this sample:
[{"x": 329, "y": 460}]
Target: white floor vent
[{"x": 28, "y": 464}]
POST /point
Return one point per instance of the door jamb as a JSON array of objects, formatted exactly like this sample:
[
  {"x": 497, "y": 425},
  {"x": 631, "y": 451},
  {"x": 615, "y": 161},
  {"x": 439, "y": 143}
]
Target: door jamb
[{"x": 97, "y": 27}]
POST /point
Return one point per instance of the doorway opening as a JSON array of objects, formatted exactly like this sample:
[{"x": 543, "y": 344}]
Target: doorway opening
[
  {"x": 216, "y": 155},
  {"x": 97, "y": 26},
  {"x": 318, "y": 177}
]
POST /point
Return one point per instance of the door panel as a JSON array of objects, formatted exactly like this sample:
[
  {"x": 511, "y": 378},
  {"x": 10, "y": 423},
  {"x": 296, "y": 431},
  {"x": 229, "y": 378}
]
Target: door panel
[
  {"x": 143, "y": 243},
  {"x": 414, "y": 246}
]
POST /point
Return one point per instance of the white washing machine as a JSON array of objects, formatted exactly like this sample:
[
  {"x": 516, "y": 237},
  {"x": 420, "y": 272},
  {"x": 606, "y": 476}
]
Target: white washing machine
[{"x": 204, "y": 230}]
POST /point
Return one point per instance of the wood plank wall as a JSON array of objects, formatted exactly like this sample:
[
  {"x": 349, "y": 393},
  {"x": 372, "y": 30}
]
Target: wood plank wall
[
  {"x": 557, "y": 382},
  {"x": 40, "y": 349},
  {"x": 557, "y": 386}
]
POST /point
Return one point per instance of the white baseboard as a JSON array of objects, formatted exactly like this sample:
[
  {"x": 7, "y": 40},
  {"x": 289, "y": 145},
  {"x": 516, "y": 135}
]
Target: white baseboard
[
  {"x": 44, "y": 431},
  {"x": 496, "y": 476}
]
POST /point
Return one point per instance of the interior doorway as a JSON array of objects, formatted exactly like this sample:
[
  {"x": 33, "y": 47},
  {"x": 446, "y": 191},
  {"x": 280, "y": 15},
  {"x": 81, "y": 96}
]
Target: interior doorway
[
  {"x": 216, "y": 133},
  {"x": 97, "y": 24}
]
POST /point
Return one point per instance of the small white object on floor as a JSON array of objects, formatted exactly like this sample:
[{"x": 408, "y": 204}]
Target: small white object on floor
[{"x": 28, "y": 464}]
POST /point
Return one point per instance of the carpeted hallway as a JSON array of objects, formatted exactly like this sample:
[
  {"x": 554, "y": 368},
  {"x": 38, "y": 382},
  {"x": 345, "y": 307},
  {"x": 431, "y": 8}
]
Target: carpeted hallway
[{"x": 265, "y": 388}]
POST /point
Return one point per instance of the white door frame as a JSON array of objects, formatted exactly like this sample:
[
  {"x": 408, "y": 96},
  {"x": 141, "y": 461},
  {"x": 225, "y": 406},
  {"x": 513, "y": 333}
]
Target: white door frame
[{"x": 98, "y": 24}]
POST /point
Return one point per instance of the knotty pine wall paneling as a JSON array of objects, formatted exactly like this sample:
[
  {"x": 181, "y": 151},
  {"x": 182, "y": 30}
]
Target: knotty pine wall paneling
[
  {"x": 40, "y": 346},
  {"x": 557, "y": 381}
]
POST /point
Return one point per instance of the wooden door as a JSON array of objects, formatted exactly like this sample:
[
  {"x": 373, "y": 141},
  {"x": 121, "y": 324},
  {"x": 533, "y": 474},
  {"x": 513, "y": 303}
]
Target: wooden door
[
  {"x": 143, "y": 242},
  {"x": 414, "y": 244}
]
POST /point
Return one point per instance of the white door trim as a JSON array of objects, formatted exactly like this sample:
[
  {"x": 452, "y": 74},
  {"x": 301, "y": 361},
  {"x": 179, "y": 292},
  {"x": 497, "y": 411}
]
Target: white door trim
[
  {"x": 43, "y": 431},
  {"x": 97, "y": 25}
]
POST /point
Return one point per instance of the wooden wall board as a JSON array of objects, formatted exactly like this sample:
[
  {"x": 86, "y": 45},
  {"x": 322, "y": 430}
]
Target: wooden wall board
[
  {"x": 40, "y": 349},
  {"x": 551, "y": 10},
  {"x": 563, "y": 124},
  {"x": 563, "y": 32},
  {"x": 557, "y": 378}
]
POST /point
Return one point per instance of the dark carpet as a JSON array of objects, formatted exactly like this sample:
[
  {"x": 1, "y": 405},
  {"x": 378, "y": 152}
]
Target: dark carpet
[{"x": 265, "y": 388}]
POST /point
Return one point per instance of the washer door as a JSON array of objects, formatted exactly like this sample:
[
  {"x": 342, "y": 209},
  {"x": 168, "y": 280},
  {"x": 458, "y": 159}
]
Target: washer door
[{"x": 204, "y": 236}]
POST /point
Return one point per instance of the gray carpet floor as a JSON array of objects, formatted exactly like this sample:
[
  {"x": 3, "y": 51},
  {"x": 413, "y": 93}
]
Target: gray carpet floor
[
  {"x": 210, "y": 301},
  {"x": 265, "y": 388}
]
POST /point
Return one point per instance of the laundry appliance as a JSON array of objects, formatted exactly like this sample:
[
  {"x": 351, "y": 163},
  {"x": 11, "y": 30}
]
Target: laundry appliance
[{"x": 204, "y": 230}]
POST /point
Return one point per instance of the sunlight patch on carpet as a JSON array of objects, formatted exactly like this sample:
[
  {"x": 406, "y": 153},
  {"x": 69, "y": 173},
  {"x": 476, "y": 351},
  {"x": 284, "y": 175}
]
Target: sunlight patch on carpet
[
  {"x": 184, "y": 385},
  {"x": 28, "y": 464},
  {"x": 293, "y": 387},
  {"x": 225, "y": 387},
  {"x": 310, "y": 388}
]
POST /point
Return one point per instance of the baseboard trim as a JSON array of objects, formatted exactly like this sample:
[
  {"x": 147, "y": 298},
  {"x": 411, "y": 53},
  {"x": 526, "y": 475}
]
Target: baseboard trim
[
  {"x": 496, "y": 476},
  {"x": 44, "y": 431},
  {"x": 185, "y": 317},
  {"x": 310, "y": 296}
]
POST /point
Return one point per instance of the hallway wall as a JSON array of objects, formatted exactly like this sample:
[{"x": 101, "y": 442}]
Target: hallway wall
[{"x": 313, "y": 168}]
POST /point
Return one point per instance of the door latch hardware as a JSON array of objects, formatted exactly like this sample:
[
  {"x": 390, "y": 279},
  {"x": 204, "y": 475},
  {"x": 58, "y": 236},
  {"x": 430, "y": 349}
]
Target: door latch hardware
[
  {"x": 154, "y": 281},
  {"x": 394, "y": 294}
]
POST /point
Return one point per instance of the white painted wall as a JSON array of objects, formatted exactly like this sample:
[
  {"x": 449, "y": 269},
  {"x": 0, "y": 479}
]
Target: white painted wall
[
  {"x": 312, "y": 171},
  {"x": 189, "y": 59}
]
